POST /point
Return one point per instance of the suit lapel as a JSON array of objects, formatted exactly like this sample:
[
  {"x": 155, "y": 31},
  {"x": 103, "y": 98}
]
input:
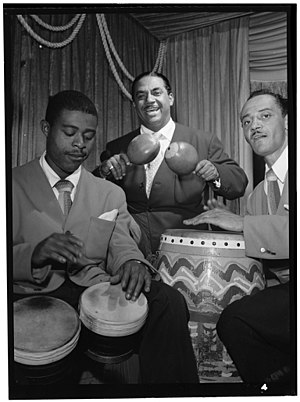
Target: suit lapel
[{"x": 41, "y": 192}]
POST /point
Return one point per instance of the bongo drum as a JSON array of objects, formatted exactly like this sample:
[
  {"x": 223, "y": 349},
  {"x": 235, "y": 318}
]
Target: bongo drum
[
  {"x": 46, "y": 332},
  {"x": 110, "y": 322},
  {"x": 211, "y": 270}
]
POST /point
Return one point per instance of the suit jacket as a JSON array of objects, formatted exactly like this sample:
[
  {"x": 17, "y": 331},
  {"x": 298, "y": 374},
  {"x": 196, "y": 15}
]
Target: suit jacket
[
  {"x": 174, "y": 198},
  {"x": 37, "y": 214},
  {"x": 267, "y": 236}
]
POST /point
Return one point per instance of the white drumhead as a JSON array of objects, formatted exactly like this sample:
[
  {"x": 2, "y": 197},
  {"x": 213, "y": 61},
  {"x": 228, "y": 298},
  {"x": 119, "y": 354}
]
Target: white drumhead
[
  {"x": 45, "y": 329},
  {"x": 105, "y": 310}
]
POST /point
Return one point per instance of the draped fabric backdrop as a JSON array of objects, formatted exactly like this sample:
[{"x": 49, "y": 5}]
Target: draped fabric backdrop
[
  {"x": 38, "y": 72},
  {"x": 210, "y": 73},
  {"x": 211, "y": 65}
]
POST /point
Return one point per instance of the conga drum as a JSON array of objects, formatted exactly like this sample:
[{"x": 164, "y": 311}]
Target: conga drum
[
  {"x": 46, "y": 332},
  {"x": 111, "y": 323},
  {"x": 211, "y": 270}
]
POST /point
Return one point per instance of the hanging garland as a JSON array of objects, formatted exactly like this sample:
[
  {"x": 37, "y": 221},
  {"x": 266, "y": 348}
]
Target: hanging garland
[
  {"x": 109, "y": 58},
  {"x": 54, "y": 45},
  {"x": 55, "y": 28},
  {"x": 106, "y": 40}
]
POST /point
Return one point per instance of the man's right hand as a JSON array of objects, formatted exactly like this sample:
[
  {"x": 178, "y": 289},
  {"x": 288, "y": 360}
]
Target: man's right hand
[
  {"x": 58, "y": 247},
  {"x": 116, "y": 165}
]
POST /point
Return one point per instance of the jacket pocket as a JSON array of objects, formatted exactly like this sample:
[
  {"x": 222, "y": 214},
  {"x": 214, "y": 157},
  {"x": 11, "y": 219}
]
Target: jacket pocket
[{"x": 98, "y": 238}]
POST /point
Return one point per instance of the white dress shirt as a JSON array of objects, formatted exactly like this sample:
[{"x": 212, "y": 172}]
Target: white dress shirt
[
  {"x": 280, "y": 168},
  {"x": 166, "y": 135},
  {"x": 54, "y": 178}
]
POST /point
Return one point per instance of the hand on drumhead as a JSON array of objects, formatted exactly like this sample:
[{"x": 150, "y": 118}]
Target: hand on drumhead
[
  {"x": 58, "y": 247},
  {"x": 116, "y": 165},
  {"x": 213, "y": 203},
  {"x": 134, "y": 278},
  {"x": 219, "y": 217}
]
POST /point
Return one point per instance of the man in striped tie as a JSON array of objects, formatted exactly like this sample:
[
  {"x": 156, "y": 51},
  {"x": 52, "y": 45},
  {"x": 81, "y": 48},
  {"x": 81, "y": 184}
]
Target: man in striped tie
[
  {"x": 256, "y": 329},
  {"x": 157, "y": 197},
  {"x": 61, "y": 248}
]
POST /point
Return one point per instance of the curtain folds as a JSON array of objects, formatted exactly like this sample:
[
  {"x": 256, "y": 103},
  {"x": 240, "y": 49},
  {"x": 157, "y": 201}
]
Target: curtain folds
[
  {"x": 38, "y": 72},
  {"x": 209, "y": 74},
  {"x": 268, "y": 47}
]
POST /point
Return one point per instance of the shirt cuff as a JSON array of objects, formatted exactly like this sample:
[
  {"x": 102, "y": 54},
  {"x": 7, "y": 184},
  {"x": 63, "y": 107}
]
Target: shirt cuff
[
  {"x": 217, "y": 183},
  {"x": 40, "y": 274}
]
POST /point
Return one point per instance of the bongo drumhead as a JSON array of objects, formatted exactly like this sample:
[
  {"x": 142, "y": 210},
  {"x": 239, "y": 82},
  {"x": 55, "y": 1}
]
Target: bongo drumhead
[
  {"x": 45, "y": 329},
  {"x": 105, "y": 310}
]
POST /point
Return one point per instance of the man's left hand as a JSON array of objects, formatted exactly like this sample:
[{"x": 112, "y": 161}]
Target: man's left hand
[
  {"x": 134, "y": 277},
  {"x": 219, "y": 217},
  {"x": 206, "y": 170}
]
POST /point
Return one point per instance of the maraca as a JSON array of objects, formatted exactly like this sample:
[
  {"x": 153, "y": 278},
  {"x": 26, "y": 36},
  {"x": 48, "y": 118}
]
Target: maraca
[
  {"x": 181, "y": 157},
  {"x": 143, "y": 149}
]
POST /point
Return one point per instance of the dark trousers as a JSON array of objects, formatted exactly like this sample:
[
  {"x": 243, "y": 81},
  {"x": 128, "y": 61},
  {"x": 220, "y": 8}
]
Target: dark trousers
[
  {"x": 256, "y": 332},
  {"x": 165, "y": 350}
]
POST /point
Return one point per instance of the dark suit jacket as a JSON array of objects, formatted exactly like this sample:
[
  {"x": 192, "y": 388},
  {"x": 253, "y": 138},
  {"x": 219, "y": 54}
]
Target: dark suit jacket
[{"x": 174, "y": 198}]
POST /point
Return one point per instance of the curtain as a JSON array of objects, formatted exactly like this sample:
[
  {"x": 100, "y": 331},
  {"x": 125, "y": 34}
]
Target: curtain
[
  {"x": 209, "y": 72},
  {"x": 38, "y": 72},
  {"x": 268, "y": 47},
  {"x": 267, "y": 63}
]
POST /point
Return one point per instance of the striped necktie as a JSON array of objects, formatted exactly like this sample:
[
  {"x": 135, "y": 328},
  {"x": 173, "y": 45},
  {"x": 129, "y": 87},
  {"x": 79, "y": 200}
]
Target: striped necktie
[
  {"x": 273, "y": 192},
  {"x": 152, "y": 167},
  {"x": 64, "y": 188}
]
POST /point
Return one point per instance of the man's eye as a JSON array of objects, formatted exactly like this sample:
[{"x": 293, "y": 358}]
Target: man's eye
[
  {"x": 69, "y": 132},
  {"x": 140, "y": 97},
  {"x": 246, "y": 123},
  {"x": 89, "y": 136},
  {"x": 266, "y": 116},
  {"x": 157, "y": 93}
]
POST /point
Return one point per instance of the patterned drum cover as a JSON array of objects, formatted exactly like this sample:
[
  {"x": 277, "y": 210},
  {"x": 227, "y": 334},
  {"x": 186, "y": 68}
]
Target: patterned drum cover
[{"x": 211, "y": 270}]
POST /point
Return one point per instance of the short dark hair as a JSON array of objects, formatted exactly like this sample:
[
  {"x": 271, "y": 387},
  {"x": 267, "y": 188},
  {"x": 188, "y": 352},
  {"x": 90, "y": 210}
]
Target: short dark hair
[
  {"x": 280, "y": 100},
  {"x": 69, "y": 100},
  {"x": 150, "y": 74}
]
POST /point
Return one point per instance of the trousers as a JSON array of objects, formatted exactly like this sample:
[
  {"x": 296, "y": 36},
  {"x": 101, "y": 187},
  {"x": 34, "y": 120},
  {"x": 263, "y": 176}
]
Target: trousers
[
  {"x": 256, "y": 333},
  {"x": 164, "y": 346}
]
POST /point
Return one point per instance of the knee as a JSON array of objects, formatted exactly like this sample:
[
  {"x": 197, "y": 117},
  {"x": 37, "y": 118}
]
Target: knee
[
  {"x": 227, "y": 323},
  {"x": 168, "y": 297}
]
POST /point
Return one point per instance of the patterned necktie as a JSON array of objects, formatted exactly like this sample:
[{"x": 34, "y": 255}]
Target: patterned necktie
[
  {"x": 273, "y": 192},
  {"x": 152, "y": 167},
  {"x": 64, "y": 188}
]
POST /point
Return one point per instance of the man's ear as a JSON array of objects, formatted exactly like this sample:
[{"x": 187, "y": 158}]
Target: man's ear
[
  {"x": 171, "y": 98},
  {"x": 45, "y": 127}
]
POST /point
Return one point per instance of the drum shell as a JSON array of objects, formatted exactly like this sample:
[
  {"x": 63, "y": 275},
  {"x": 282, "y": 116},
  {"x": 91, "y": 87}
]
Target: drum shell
[
  {"x": 107, "y": 349},
  {"x": 210, "y": 269},
  {"x": 66, "y": 371}
]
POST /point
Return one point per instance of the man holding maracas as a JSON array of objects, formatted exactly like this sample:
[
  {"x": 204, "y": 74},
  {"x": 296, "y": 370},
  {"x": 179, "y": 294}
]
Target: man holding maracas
[{"x": 157, "y": 197}]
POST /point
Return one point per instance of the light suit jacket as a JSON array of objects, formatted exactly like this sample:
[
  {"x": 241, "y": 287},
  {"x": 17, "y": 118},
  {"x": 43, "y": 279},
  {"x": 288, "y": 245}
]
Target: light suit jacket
[
  {"x": 174, "y": 198},
  {"x": 267, "y": 236},
  {"x": 37, "y": 214}
]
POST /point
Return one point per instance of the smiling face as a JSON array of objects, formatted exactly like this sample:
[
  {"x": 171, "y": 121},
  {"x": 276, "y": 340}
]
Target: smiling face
[
  {"x": 70, "y": 140},
  {"x": 152, "y": 102},
  {"x": 264, "y": 127}
]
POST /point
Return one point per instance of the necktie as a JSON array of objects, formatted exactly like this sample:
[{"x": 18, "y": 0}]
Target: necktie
[
  {"x": 152, "y": 167},
  {"x": 273, "y": 192},
  {"x": 64, "y": 188}
]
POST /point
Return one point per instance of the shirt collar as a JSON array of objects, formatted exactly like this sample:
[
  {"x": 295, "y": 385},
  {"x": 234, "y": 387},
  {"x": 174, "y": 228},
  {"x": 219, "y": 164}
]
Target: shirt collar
[
  {"x": 280, "y": 167},
  {"x": 167, "y": 131},
  {"x": 53, "y": 177}
]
